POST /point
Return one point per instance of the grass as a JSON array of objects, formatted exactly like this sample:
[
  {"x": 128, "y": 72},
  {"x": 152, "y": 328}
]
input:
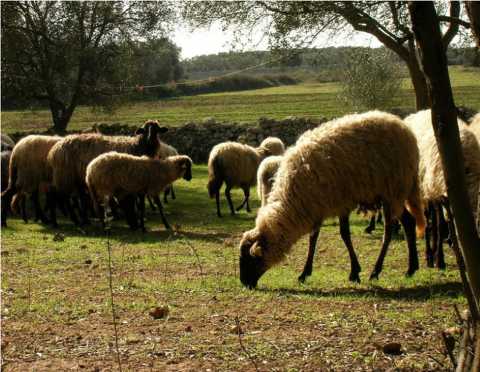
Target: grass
[
  {"x": 56, "y": 311},
  {"x": 309, "y": 99}
]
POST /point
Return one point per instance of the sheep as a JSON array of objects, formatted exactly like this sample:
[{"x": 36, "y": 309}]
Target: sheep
[
  {"x": 360, "y": 158},
  {"x": 120, "y": 175},
  {"x": 70, "y": 157},
  {"x": 432, "y": 184},
  {"x": 28, "y": 173},
  {"x": 165, "y": 151},
  {"x": 266, "y": 175},
  {"x": 5, "y": 162},
  {"x": 236, "y": 165}
]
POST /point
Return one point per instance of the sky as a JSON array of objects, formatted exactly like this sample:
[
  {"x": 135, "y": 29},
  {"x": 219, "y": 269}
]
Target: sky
[{"x": 214, "y": 40}]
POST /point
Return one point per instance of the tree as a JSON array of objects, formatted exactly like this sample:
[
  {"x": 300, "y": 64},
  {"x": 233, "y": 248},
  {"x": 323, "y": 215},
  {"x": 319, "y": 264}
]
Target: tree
[
  {"x": 63, "y": 52},
  {"x": 444, "y": 120},
  {"x": 285, "y": 22},
  {"x": 371, "y": 79}
]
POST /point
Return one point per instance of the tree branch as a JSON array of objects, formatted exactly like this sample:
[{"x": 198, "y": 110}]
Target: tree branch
[{"x": 453, "y": 28}]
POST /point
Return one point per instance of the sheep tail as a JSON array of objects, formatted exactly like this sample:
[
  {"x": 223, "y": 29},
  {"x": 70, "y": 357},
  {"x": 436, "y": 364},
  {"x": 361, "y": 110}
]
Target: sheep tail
[
  {"x": 415, "y": 206},
  {"x": 11, "y": 189},
  {"x": 215, "y": 177},
  {"x": 17, "y": 199}
]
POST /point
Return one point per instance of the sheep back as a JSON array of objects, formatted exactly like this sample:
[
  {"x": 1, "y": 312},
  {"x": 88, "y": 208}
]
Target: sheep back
[
  {"x": 29, "y": 161},
  {"x": 234, "y": 163},
  {"x": 165, "y": 150},
  {"x": 360, "y": 158},
  {"x": 266, "y": 175}
]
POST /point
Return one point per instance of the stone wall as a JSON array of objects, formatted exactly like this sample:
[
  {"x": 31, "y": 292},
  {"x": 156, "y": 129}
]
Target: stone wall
[{"x": 197, "y": 139}]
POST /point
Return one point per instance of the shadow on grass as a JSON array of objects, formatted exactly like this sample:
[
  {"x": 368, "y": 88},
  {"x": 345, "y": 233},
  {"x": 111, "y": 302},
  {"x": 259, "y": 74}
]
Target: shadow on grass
[{"x": 418, "y": 293}]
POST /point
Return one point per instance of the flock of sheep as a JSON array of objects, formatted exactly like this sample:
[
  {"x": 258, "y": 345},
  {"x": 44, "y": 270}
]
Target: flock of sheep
[{"x": 367, "y": 161}]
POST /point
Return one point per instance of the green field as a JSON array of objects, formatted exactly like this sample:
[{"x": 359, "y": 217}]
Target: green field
[
  {"x": 56, "y": 303},
  {"x": 309, "y": 99}
]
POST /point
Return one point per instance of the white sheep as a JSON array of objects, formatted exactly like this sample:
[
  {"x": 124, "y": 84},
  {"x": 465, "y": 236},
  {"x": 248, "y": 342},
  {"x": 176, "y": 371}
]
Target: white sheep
[
  {"x": 119, "y": 175},
  {"x": 362, "y": 158},
  {"x": 29, "y": 173},
  {"x": 432, "y": 185},
  {"x": 70, "y": 157},
  {"x": 236, "y": 164}
]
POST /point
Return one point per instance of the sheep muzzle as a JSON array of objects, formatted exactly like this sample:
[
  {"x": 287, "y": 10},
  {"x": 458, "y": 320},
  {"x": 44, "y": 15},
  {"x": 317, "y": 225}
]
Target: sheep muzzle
[{"x": 251, "y": 267}]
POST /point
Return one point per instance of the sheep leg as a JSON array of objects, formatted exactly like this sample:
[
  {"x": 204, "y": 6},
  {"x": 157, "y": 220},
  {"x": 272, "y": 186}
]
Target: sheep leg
[
  {"x": 128, "y": 206},
  {"x": 141, "y": 210},
  {"x": 84, "y": 206},
  {"x": 429, "y": 251},
  {"x": 150, "y": 202},
  {"x": 379, "y": 217},
  {"x": 387, "y": 237},
  {"x": 52, "y": 206},
  {"x": 408, "y": 223},
  {"x": 160, "y": 208},
  {"x": 23, "y": 207},
  {"x": 39, "y": 215},
  {"x": 229, "y": 199},
  {"x": 246, "y": 193},
  {"x": 172, "y": 192},
  {"x": 217, "y": 200},
  {"x": 346, "y": 237},
  {"x": 165, "y": 194},
  {"x": 371, "y": 225},
  {"x": 439, "y": 255},
  {"x": 307, "y": 269}
]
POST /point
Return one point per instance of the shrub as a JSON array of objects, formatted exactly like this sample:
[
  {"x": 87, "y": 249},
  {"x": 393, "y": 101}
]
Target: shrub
[{"x": 371, "y": 79}]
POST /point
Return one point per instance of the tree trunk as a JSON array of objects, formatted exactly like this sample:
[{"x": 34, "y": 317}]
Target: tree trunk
[
  {"x": 61, "y": 116},
  {"x": 426, "y": 28},
  {"x": 473, "y": 11},
  {"x": 422, "y": 99}
]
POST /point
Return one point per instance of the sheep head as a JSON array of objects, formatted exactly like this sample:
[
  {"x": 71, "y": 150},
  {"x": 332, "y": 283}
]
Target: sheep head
[
  {"x": 150, "y": 136},
  {"x": 252, "y": 260},
  {"x": 184, "y": 166}
]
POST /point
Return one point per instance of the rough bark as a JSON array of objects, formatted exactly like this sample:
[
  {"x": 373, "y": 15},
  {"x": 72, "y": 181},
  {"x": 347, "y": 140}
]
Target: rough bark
[{"x": 473, "y": 11}]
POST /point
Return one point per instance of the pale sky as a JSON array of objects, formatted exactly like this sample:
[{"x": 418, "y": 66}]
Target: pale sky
[{"x": 214, "y": 40}]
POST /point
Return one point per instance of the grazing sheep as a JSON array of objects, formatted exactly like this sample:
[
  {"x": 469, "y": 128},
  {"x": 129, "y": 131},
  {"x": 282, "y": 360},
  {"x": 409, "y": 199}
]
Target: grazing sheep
[
  {"x": 6, "y": 154},
  {"x": 362, "y": 158},
  {"x": 165, "y": 151},
  {"x": 432, "y": 185},
  {"x": 236, "y": 165},
  {"x": 28, "y": 173},
  {"x": 120, "y": 175},
  {"x": 70, "y": 157}
]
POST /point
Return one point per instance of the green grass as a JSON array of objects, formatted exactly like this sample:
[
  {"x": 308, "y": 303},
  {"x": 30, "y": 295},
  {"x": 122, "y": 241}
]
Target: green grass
[
  {"x": 316, "y": 100},
  {"x": 56, "y": 311}
]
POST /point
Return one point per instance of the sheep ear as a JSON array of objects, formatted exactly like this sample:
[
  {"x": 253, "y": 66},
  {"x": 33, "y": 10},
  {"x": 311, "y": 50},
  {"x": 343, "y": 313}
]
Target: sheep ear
[
  {"x": 256, "y": 250},
  {"x": 140, "y": 130},
  {"x": 162, "y": 129}
]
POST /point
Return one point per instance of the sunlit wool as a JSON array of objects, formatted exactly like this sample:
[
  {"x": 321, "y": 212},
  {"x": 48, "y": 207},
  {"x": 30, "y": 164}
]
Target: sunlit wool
[
  {"x": 236, "y": 164},
  {"x": 432, "y": 184},
  {"x": 266, "y": 176},
  {"x": 360, "y": 158}
]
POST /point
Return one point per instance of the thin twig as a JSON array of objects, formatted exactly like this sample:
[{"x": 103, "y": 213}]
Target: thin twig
[
  {"x": 436, "y": 360},
  {"x": 110, "y": 282},
  {"x": 199, "y": 263},
  {"x": 239, "y": 331}
]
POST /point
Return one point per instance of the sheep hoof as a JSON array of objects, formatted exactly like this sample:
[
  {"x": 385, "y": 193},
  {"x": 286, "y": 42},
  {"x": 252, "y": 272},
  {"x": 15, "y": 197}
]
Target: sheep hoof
[
  {"x": 374, "y": 275},
  {"x": 368, "y": 230},
  {"x": 302, "y": 278},
  {"x": 354, "y": 277}
]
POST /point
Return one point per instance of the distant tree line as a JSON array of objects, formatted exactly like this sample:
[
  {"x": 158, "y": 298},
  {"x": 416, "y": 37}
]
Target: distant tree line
[{"x": 311, "y": 58}]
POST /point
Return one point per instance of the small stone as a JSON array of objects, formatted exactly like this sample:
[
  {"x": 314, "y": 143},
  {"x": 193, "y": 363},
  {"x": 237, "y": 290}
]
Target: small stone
[
  {"x": 392, "y": 348},
  {"x": 88, "y": 262},
  {"x": 159, "y": 312}
]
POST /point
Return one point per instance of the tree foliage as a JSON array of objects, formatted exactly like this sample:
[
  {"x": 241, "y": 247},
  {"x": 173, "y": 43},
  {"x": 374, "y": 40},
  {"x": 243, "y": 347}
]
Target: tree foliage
[
  {"x": 297, "y": 24},
  {"x": 371, "y": 79},
  {"x": 64, "y": 52}
]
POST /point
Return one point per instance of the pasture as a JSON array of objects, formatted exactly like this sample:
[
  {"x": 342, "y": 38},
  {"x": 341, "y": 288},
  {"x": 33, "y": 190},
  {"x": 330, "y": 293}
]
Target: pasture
[
  {"x": 56, "y": 312},
  {"x": 310, "y": 99}
]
